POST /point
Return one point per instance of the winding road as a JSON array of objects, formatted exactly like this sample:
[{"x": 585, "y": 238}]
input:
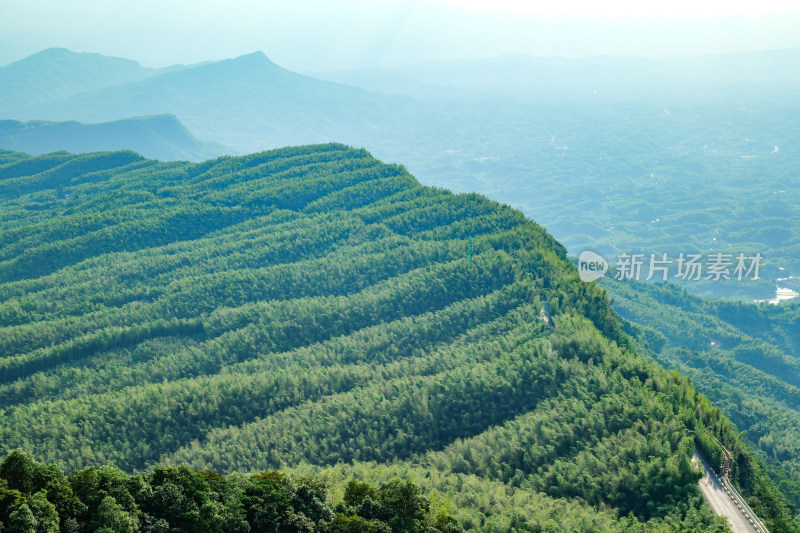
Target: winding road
[{"x": 721, "y": 502}]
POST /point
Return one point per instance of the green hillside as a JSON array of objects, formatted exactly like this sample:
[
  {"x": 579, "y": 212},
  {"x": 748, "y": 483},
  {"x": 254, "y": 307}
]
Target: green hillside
[
  {"x": 160, "y": 137},
  {"x": 744, "y": 357},
  {"x": 314, "y": 310}
]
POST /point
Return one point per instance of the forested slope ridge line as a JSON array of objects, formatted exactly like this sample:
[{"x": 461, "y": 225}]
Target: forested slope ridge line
[
  {"x": 744, "y": 357},
  {"x": 311, "y": 306}
]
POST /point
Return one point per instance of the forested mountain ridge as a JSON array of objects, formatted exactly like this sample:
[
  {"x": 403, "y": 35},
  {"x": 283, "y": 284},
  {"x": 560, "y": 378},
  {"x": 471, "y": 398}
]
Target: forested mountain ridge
[
  {"x": 743, "y": 356},
  {"x": 312, "y": 307}
]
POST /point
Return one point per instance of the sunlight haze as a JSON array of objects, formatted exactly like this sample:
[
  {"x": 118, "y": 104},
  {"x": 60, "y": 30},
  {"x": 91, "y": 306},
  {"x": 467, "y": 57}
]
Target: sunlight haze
[{"x": 312, "y": 35}]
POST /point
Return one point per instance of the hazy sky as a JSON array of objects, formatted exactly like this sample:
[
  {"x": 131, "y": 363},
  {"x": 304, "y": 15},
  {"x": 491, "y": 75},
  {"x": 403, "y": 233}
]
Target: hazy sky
[{"x": 309, "y": 35}]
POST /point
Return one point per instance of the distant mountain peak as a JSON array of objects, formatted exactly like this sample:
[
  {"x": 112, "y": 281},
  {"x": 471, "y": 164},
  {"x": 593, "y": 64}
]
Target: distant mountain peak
[
  {"x": 47, "y": 53},
  {"x": 248, "y": 66},
  {"x": 66, "y": 53},
  {"x": 56, "y": 50},
  {"x": 58, "y": 72},
  {"x": 254, "y": 58},
  {"x": 257, "y": 54}
]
